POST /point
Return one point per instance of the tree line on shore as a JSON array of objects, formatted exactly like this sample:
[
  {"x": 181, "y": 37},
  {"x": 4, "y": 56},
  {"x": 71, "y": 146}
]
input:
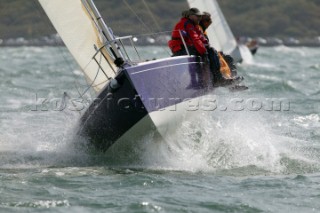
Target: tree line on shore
[{"x": 265, "y": 18}]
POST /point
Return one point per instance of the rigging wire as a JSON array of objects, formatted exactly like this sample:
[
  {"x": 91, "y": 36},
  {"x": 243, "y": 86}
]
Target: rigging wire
[
  {"x": 41, "y": 14},
  {"x": 152, "y": 15},
  {"x": 95, "y": 78},
  {"x": 142, "y": 22},
  {"x": 77, "y": 85},
  {"x": 137, "y": 16},
  {"x": 150, "y": 34}
]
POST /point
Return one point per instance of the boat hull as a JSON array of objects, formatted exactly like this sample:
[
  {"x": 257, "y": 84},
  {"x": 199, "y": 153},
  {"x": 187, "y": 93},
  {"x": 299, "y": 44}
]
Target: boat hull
[{"x": 146, "y": 99}]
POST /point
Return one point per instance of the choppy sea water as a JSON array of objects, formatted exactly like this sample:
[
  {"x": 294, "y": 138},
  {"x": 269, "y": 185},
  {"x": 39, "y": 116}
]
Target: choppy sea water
[{"x": 244, "y": 156}]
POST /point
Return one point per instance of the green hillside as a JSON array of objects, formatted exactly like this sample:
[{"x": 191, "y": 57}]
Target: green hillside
[{"x": 297, "y": 18}]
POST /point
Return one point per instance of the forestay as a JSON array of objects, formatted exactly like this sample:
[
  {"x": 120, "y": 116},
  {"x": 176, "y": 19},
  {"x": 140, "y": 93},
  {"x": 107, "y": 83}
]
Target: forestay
[{"x": 80, "y": 34}]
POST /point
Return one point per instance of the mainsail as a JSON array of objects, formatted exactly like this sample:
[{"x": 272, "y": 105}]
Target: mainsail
[
  {"x": 81, "y": 36},
  {"x": 219, "y": 33}
]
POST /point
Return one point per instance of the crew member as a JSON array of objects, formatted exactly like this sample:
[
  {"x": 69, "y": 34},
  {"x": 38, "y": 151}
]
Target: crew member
[
  {"x": 188, "y": 30},
  {"x": 220, "y": 68}
]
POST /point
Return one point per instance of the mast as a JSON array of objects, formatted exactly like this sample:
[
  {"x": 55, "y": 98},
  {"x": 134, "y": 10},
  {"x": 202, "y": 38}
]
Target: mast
[{"x": 104, "y": 31}]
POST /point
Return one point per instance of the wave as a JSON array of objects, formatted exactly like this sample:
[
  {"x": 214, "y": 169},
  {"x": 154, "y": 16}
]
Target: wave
[
  {"x": 286, "y": 49},
  {"x": 315, "y": 66},
  {"x": 39, "y": 138},
  {"x": 307, "y": 121},
  {"x": 225, "y": 143}
]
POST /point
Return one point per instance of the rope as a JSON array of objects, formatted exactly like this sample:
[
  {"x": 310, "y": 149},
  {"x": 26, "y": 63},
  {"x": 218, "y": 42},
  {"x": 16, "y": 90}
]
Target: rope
[{"x": 91, "y": 85}]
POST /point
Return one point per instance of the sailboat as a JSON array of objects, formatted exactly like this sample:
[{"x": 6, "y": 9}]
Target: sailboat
[
  {"x": 131, "y": 97},
  {"x": 219, "y": 32}
]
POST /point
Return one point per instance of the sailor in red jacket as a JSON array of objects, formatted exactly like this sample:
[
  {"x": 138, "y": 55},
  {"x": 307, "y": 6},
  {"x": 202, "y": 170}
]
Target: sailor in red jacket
[{"x": 187, "y": 28}]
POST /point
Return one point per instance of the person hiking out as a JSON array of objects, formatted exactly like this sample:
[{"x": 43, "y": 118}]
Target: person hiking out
[
  {"x": 187, "y": 32},
  {"x": 220, "y": 69}
]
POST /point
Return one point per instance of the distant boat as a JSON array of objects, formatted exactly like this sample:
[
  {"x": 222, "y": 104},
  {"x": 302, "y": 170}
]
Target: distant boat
[
  {"x": 132, "y": 97},
  {"x": 219, "y": 32},
  {"x": 253, "y": 46}
]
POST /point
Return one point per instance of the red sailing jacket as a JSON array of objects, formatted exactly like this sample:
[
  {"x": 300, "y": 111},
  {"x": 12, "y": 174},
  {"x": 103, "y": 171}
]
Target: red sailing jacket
[{"x": 191, "y": 34}]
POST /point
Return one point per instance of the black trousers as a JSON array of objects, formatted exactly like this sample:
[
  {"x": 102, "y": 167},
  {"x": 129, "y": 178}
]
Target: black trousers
[
  {"x": 212, "y": 58},
  {"x": 214, "y": 63}
]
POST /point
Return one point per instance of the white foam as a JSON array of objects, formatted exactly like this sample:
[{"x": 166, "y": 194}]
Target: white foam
[
  {"x": 312, "y": 120},
  {"x": 38, "y": 139},
  {"x": 286, "y": 49},
  {"x": 228, "y": 140}
]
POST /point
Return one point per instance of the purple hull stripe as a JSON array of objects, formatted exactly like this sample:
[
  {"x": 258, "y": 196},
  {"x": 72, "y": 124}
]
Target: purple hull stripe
[{"x": 169, "y": 82}]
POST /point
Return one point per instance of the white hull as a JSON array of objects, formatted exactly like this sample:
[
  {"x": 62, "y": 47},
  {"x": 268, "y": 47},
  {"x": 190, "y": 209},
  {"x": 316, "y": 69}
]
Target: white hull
[{"x": 157, "y": 127}]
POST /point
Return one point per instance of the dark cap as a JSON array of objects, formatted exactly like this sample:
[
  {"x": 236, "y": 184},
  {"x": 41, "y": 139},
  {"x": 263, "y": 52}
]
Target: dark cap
[
  {"x": 206, "y": 14},
  {"x": 195, "y": 11}
]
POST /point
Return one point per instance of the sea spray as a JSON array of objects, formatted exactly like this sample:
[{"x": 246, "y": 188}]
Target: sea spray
[
  {"x": 39, "y": 139},
  {"x": 222, "y": 140},
  {"x": 182, "y": 174}
]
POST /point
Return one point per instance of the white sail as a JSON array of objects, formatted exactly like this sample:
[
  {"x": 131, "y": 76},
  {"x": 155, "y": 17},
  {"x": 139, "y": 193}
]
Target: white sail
[
  {"x": 80, "y": 35},
  {"x": 219, "y": 32}
]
